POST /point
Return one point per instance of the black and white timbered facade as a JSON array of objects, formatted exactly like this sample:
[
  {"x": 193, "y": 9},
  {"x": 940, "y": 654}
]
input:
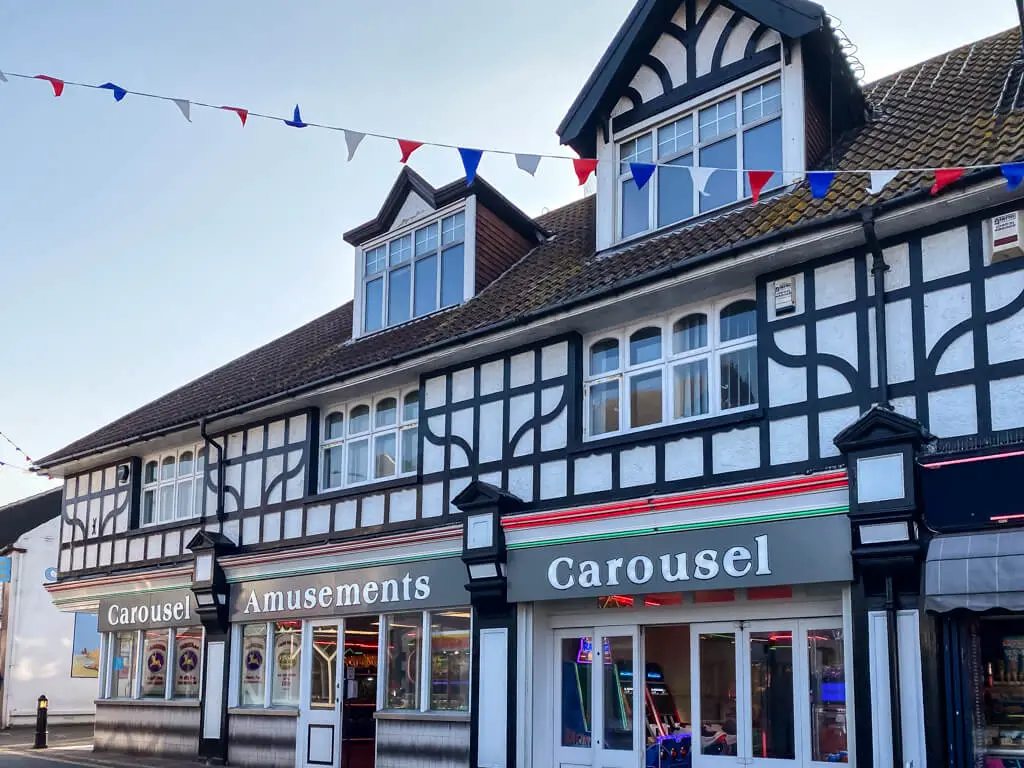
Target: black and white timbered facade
[{"x": 658, "y": 429}]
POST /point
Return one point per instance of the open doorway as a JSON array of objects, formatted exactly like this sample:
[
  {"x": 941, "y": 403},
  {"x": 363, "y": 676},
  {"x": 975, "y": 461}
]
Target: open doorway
[{"x": 359, "y": 697}]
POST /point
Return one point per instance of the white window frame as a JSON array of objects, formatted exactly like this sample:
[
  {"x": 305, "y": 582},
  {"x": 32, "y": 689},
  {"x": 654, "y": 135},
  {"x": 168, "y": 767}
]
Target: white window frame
[
  {"x": 437, "y": 222},
  {"x": 666, "y": 363},
  {"x": 694, "y": 150},
  {"x": 107, "y": 676},
  {"x": 197, "y": 478},
  {"x": 401, "y": 426}
]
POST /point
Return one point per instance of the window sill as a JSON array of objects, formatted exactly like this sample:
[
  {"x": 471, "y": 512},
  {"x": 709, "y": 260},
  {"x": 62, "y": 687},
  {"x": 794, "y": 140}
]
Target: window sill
[
  {"x": 364, "y": 488},
  {"x": 434, "y": 716},
  {"x": 261, "y": 712},
  {"x": 671, "y": 430},
  {"x": 185, "y": 703}
]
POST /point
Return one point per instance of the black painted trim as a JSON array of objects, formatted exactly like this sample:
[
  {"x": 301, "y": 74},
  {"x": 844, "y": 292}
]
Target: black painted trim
[
  {"x": 723, "y": 40},
  {"x": 655, "y": 64},
  {"x": 755, "y": 40}
]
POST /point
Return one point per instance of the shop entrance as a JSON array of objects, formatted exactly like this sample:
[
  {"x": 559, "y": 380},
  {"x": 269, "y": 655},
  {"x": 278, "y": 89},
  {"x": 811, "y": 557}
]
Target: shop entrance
[
  {"x": 336, "y": 726},
  {"x": 768, "y": 694}
]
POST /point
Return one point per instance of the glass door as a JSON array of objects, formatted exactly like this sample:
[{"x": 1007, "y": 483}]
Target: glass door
[
  {"x": 715, "y": 695},
  {"x": 770, "y": 707},
  {"x": 320, "y": 722}
]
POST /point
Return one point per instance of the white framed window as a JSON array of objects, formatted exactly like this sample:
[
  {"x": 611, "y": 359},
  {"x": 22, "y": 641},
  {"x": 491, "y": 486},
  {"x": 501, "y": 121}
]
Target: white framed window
[
  {"x": 691, "y": 364},
  {"x": 741, "y": 131},
  {"x": 415, "y": 273},
  {"x": 162, "y": 664},
  {"x": 172, "y": 485},
  {"x": 370, "y": 440}
]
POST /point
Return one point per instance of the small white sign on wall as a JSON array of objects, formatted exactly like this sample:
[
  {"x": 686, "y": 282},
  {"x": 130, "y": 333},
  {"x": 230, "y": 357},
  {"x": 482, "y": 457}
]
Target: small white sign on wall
[{"x": 785, "y": 296}]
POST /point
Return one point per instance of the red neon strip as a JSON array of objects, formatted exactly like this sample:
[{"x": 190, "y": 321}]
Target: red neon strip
[
  {"x": 714, "y": 596},
  {"x": 830, "y": 481},
  {"x": 936, "y": 464},
  {"x": 769, "y": 593},
  {"x": 1005, "y": 518}
]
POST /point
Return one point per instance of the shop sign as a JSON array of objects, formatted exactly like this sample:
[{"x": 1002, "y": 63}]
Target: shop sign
[
  {"x": 148, "y": 610},
  {"x": 814, "y": 549},
  {"x": 436, "y": 583}
]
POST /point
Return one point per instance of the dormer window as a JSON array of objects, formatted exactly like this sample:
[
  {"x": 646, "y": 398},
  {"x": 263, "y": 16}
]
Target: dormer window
[
  {"x": 742, "y": 131},
  {"x": 414, "y": 274}
]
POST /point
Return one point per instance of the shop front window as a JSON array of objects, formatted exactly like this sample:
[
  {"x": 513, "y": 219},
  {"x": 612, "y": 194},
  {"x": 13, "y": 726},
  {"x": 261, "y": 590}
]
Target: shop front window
[
  {"x": 827, "y": 695},
  {"x": 449, "y": 660},
  {"x": 771, "y": 689},
  {"x": 188, "y": 655},
  {"x": 996, "y": 671},
  {"x": 154, "y": 664},
  {"x": 718, "y": 694},
  {"x": 254, "y": 665},
  {"x": 576, "y": 696},
  {"x": 287, "y": 657},
  {"x": 404, "y": 633},
  {"x": 123, "y": 665},
  {"x": 323, "y": 664}
]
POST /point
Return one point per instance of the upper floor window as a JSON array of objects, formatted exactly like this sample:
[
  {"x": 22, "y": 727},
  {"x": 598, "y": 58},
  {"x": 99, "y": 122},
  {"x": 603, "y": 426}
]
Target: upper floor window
[
  {"x": 370, "y": 440},
  {"x": 740, "y": 132},
  {"x": 689, "y": 365},
  {"x": 172, "y": 485},
  {"x": 414, "y": 274}
]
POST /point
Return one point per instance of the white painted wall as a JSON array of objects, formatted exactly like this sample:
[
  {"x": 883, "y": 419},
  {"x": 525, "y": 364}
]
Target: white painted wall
[{"x": 40, "y": 640}]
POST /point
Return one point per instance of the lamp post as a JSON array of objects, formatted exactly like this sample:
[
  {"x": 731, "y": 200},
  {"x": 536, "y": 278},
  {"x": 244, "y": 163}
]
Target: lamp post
[{"x": 42, "y": 707}]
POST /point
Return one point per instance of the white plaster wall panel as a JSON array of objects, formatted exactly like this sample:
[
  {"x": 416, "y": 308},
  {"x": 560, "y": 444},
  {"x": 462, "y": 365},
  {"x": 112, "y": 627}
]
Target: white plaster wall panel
[
  {"x": 233, "y": 478},
  {"x": 292, "y": 523},
  {"x": 524, "y": 446},
  {"x": 455, "y": 487},
  {"x": 413, "y": 207},
  {"x": 213, "y": 526},
  {"x": 82, "y": 515},
  {"x": 1006, "y": 337},
  {"x": 154, "y": 545},
  {"x": 69, "y": 488},
  {"x": 522, "y": 369},
  {"x": 434, "y": 392},
  {"x": 520, "y": 483},
  {"x": 899, "y": 343},
  {"x": 136, "y": 549},
  {"x": 121, "y": 521},
  {"x": 318, "y": 520},
  {"x": 679, "y": 18},
  {"x": 187, "y": 535},
  {"x": 432, "y": 500},
  {"x": 830, "y": 424},
  {"x": 92, "y": 523},
  {"x": 494, "y": 478},
  {"x": 272, "y": 526},
  {"x": 736, "y": 450},
  {"x": 831, "y": 382},
  {"x": 234, "y": 447},
  {"x": 959, "y": 356},
  {"x": 945, "y": 253},
  {"x": 709, "y": 39},
  {"x": 251, "y": 531},
  {"x": 462, "y": 385},
  {"x": 65, "y": 560},
  {"x": 109, "y": 476},
  {"x": 402, "y": 506},
  {"x": 106, "y": 553},
  {"x": 622, "y": 106},
  {"x": 835, "y": 284},
  {"x": 275, "y": 434},
  {"x": 593, "y": 473},
  {"x": 251, "y": 497},
  {"x": 254, "y": 440},
  {"x": 120, "y": 551},
  {"x": 345, "y": 515},
  {"x": 788, "y": 440},
  {"x": 637, "y": 466},
  {"x": 78, "y": 558},
  {"x": 519, "y": 412},
  {"x": 906, "y": 406},
  {"x": 433, "y": 455},
  {"x": 492, "y": 377},
  {"x": 736, "y": 45},
  {"x": 211, "y": 491},
  {"x": 1007, "y": 398},
  {"x": 792, "y": 341},
  {"x": 297, "y": 429},
  {"x": 462, "y": 426},
  {"x": 554, "y": 360},
  {"x": 231, "y": 530},
  {"x": 492, "y": 432},
  {"x": 838, "y": 336},
  {"x": 372, "y": 512},
  {"x": 647, "y": 83},
  {"x": 898, "y": 274},
  {"x": 953, "y": 412},
  {"x": 91, "y": 556},
  {"x": 672, "y": 54},
  {"x": 798, "y": 290},
  {"x": 554, "y": 434},
  {"x": 684, "y": 458},
  {"x": 275, "y": 466},
  {"x": 96, "y": 481},
  {"x": 786, "y": 385},
  {"x": 172, "y": 544},
  {"x": 944, "y": 309},
  {"x": 294, "y": 487},
  {"x": 106, "y": 508},
  {"x": 552, "y": 480}
]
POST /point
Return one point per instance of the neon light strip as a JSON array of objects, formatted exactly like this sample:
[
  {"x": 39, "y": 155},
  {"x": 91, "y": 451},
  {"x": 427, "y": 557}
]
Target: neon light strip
[
  {"x": 833, "y": 480},
  {"x": 937, "y": 464},
  {"x": 683, "y": 527}
]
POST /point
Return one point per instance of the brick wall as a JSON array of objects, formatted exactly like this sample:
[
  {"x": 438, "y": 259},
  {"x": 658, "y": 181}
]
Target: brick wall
[
  {"x": 498, "y": 247},
  {"x": 422, "y": 744},
  {"x": 143, "y": 728}
]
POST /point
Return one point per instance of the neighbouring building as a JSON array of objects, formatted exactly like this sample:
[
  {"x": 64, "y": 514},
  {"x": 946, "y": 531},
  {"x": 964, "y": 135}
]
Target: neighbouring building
[
  {"x": 43, "y": 652},
  {"x": 650, "y": 479}
]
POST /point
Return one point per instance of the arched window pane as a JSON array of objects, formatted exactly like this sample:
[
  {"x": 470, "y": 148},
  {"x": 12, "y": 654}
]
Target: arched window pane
[
  {"x": 604, "y": 356},
  {"x": 150, "y": 474},
  {"x": 690, "y": 333},
  {"x": 359, "y": 419},
  {"x": 334, "y": 426},
  {"x": 738, "y": 320},
  {"x": 201, "y": 460},
  {"x": 411, "y": 407},
  {"x": 645, "y": 346},
  {"x": 185, "y": 464},
  {"x": 387, "y": 412},
  {"x": 167, "y": 468}
]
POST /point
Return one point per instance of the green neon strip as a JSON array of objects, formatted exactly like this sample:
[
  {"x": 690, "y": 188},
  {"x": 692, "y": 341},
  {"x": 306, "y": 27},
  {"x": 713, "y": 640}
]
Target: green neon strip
[
  {"x": 684, "y": 527},
  {"x": 369, "y": 564}
]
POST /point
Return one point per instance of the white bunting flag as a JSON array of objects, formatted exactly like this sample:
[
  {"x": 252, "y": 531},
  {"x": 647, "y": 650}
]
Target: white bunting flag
[
  {"x": 3, "y": 77},
  {"x": 186, "y": 108},
  {"x": 879, "y": 179},
  {"x": 528, "y": 163},
  {"x": 352, "y": 140},
  {"x": 701, "y": 176}
]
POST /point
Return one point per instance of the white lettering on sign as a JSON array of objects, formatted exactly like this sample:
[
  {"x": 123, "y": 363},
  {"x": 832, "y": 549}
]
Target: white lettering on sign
[
  {"x": 406, "y": 589},
  {"x": 735, "y": 562},
  {"x": 153, "y": 614}
]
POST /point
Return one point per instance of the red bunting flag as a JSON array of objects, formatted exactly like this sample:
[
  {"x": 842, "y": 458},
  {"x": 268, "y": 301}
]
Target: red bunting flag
[
  {"x": 58, "y": 85},
  {"x": 584, "y": 167},
  {"x": 243, "y": 114},
  {"x": 408, "y": 147},
  {"x": 944, "y": 177},
  {"x": 757, "y": 181}
]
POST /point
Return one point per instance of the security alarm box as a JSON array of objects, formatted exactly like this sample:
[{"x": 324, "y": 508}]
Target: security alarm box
[
  {"x": 785, "y": 296},
  {"x": 1006, "y": 236}
]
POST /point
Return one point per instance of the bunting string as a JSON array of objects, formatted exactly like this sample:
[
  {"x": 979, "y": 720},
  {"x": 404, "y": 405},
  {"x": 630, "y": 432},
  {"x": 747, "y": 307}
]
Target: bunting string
[
  {"x": 15, "y": 447},
  {"x": 820, "y": 181}
]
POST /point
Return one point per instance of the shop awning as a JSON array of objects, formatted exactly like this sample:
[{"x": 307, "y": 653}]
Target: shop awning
[{"x": 977, "y": 571}]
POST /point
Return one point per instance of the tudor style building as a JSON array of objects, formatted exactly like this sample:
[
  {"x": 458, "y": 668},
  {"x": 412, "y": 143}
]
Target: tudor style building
[{"x": 660, "y": 429}]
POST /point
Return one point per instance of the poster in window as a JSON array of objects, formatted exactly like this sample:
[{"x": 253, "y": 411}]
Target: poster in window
[
  {"x": 187, "y": 658},
  {"x": 85, "y": 659},
  {"x": 254, "y": 654},
  {"x": 154, "y": 664},
  {"x": 286, "y": 666}
]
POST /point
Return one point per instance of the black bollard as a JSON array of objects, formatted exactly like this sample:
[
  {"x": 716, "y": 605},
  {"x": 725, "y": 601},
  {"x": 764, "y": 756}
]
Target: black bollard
[{"x": 41, "y": 709}]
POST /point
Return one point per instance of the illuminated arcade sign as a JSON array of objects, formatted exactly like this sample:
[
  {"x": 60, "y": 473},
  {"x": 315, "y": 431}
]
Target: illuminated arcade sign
[{"x": 586, "y": 652}]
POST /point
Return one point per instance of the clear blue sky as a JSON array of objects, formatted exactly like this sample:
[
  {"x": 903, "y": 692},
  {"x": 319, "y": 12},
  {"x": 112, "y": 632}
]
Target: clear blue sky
[{"x": 138, "y": 251}]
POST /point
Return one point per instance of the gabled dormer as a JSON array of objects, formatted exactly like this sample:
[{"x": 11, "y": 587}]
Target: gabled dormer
[
  {"x": 724, "y": 84},
  {"x": 430, "y": 249}
]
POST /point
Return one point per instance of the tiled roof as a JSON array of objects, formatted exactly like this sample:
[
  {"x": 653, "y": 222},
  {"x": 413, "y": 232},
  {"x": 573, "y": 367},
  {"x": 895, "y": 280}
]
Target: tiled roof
[{"x": 947, "y": 111}]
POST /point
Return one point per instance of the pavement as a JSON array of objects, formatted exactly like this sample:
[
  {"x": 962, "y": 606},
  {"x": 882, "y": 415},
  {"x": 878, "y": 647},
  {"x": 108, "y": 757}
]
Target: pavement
[{"x": 69, "y": 746}]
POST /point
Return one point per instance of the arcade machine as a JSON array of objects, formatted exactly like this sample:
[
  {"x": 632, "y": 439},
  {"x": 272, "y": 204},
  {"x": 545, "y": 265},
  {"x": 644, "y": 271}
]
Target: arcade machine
[
  {"x": 576, "y": 682},
  {"x": 668, "y": 737}
]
